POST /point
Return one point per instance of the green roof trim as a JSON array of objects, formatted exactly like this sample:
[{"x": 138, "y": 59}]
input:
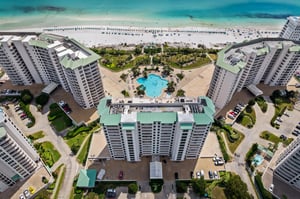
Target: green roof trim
[
  {"x": 221, "y": 62},
  {"x": 2, "y": 132},
  {"x": 262, "y": 51},
  {"x": 128, "y": 126},
  {"x": 186, "y": 126},
  {"x": 87, "y": 178},
  {"x": 38, "y": 43},
  {"x": 294, "y": 48},
  {"x": 208, "y": 115},
  {"x": 105, "y": 117},
  {"x": 163, "y": 117}
]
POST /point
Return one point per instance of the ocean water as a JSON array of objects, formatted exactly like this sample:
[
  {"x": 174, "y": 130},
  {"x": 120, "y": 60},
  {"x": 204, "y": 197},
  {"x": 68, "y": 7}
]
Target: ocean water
[{"x": 35, "y": 13}]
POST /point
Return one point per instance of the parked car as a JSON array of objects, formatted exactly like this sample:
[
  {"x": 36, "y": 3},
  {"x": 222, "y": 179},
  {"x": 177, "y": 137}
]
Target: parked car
[
  {"x": 295, "y": 133},
  {"x": 61, "y": 103},
  {"x": 202, "y": 173},
  {"x": 210, "y": 174},
  {"x": 198, "y": 175},
  {"x": 26, "y": 193},
  {"x": 271, "y": 187},
  {"x": 298, "y": 127},
  {"x": 121, "y": 175},
  {"x": 283, "y": 137},
  {"x": 216, "y": 175}
]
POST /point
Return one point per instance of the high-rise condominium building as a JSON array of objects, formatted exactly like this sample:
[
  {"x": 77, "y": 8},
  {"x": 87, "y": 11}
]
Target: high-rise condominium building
[
  {"x": 47, "y": 58},
  {"x": 288, "y": 165},
  {"x": 144, "y": 127},
  {"x": 18, "y": 159},
  {"x": 271, "y": 61},
  {"x": 291, "y": 29}
]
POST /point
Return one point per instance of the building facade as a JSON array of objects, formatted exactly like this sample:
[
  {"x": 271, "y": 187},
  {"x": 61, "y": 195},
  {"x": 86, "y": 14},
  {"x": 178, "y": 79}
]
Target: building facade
[
  {"x": 18, "y": 158},
  {"x": 145, "y": 127},
  {"x": 47, "y": 58},
  {"x": 291, "y": 29},
  {"x": 288, "y": 165},
  {"x": 271, "y": 61}
]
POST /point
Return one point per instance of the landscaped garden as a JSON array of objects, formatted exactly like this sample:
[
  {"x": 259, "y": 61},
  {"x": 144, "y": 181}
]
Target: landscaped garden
[
  {"x": 76, "y": 136},
  {"x": 261, "y": 102},
  {"x": 47, "y": 152},
  {"x": 275, "y": 139},
  {"x": 247, "y": 117},
  {"x": 58, "y": 118},
  {"x": 182, "y": 58},
  {"x": 82, "y": 156},
  {"x": 36, "y": 136}
]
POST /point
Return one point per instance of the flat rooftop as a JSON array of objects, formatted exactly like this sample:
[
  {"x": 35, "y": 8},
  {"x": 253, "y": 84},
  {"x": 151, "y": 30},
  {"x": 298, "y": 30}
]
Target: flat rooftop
[{"x": 126, "y": 106}]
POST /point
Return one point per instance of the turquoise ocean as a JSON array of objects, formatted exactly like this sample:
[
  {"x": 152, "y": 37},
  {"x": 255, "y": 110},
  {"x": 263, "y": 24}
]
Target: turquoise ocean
[{"x": 153, "y": 13}]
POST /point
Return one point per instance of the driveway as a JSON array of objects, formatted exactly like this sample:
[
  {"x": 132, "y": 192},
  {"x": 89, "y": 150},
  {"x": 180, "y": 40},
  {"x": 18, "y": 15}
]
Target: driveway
[{"x": 41, "y": 123}]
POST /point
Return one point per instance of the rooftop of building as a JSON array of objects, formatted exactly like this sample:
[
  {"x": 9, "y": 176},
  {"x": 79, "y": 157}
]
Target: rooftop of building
[
  {"x": 234, "y": 57},
  {"x": 294, "y": 18},
  {"x": 71, "y": 53},
  {"x": 131, "y": 110}
]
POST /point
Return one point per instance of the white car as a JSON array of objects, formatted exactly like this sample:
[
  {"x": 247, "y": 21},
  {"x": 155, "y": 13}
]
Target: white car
[
  {"x": 61, "y": 103},
  {"x": 271, "y": 187},
  {"x": 198, "y": 175},
  {"x": 26, "y": 193}
]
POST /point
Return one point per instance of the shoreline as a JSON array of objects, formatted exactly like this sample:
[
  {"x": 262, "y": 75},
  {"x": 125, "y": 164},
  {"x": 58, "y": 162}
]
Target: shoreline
[{"x": 132, "y": 35}]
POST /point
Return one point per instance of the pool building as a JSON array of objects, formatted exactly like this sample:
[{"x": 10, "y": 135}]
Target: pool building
[{"x": 162, "y": 127}]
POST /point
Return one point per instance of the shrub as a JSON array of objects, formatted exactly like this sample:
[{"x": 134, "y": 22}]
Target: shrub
[
  {"x": 132, "y": 188},
  {"x": 181, "y": 187},
  {"x": 26, "y": 96},
  {"x": 42, "y": 99},
  {"x": 77, "y": 131},
  {"x": 251, "y": 102},
  {"x": 250, "y": 153},
  {"x": 223, "y": 147}
]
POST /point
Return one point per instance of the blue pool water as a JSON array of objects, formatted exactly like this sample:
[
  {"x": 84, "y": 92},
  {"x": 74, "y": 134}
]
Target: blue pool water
[
  {"x": 258, "y": 159},
  {"x": 153, "y": 84}
]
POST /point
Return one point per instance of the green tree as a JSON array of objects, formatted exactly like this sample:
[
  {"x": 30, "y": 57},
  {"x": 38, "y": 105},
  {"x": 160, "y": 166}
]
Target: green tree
[
  {"x": 199, "y": 186},
  {"x": 235, "y": 188},
  {"x": 171, "y": 87},
  {"x": 251, "y": 102},
  {"x": 181, "y": 187},
  {"x": 180, "y": 93},
  {"x": 42, "y": 99},
  {"x": 132, "y": 188},
  {"x": 26, "y": 96}
]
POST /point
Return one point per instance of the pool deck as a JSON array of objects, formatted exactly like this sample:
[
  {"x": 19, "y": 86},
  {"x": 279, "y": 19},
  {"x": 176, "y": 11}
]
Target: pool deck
[{"x": 195, "y": 82}]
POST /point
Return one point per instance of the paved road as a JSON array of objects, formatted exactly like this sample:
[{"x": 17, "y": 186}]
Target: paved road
[{"x": 72, "y": 166}]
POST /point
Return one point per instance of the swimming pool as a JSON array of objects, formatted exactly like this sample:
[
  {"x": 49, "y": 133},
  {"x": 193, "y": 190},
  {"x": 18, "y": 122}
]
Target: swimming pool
[
  {"x": 258, "y": 159},
  {"x": 153, "y": 84}
]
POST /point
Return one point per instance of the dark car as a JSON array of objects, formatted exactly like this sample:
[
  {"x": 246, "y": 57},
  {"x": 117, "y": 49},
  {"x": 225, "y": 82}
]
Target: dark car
[
  {"x": 283, "y": 137},
  {"x": 210, "y": 174},
  {"x": 121, "y": 175}
]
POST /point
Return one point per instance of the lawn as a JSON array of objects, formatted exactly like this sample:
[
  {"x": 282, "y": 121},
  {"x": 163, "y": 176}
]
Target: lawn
[
  {"x": 47, "y": 152},
  {"x": 36, "y": 136},
  {"x": 261, "y": 102},
  {"x": 234, "y": 145},
  {"x": 60, "y": 178},
  {"x": 246, "y": 121},
  {"x": 75, "y": 142},
  {"x": 82, "y": 156},
  {"x": 247, "y": 117},
  {"x": 218, "y": 193},
  {"x": 58, "y": 118},
  {"x": 273, "y": 138},
  {"x": 222, "y": 146}
]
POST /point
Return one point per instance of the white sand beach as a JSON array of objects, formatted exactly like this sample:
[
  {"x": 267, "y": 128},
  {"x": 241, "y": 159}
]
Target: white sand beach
[{"x": 187, "y": 36}]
